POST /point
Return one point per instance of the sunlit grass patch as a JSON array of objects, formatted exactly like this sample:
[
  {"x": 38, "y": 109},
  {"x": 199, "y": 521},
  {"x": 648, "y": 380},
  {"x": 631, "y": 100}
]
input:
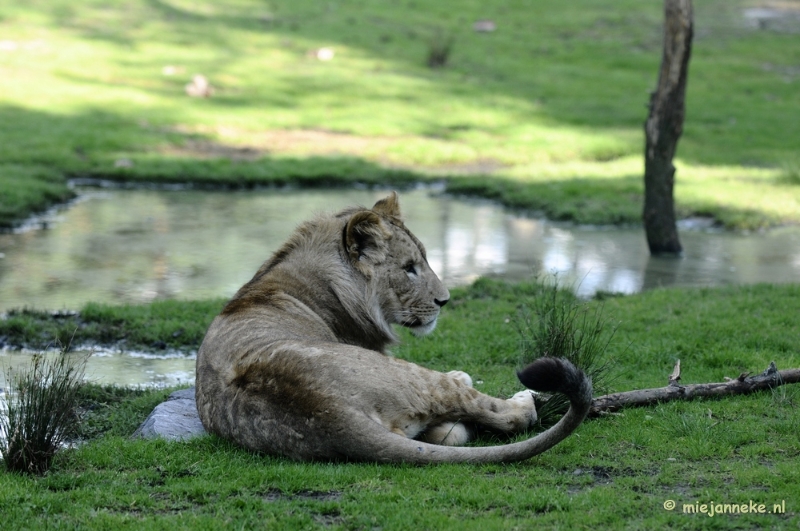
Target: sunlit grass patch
[
  {"x": 554, "y": 91},
  {"x": 791, "y": 173},
  {"x": 740, "y": 197}
]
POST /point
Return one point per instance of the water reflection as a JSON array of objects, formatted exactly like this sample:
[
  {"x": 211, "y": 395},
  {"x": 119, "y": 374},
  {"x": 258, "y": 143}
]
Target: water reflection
[
  {"x": 139, "y": 245},
  {"x": 128, "y": 369}
]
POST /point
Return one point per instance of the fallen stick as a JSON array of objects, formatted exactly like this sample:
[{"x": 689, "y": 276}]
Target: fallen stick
[{"x": 744, "y": 384}]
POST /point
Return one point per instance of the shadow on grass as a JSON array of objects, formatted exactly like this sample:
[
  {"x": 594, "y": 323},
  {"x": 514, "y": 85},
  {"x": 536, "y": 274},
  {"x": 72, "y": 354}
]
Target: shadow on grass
[
  {"x": 41, "y": 150},
  {"x": 566, "y": 50}
]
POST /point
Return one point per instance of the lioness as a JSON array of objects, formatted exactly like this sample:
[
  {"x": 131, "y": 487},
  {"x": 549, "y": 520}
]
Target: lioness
[{"x": 295, "y": 364}]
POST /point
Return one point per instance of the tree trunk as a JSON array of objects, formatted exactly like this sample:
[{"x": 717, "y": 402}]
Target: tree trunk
[{"x": 663, "y": 128}]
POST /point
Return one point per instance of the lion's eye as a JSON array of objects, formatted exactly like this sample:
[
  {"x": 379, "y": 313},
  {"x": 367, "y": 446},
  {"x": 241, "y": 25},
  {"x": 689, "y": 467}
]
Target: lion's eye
[{"x": 410, "y": 269}]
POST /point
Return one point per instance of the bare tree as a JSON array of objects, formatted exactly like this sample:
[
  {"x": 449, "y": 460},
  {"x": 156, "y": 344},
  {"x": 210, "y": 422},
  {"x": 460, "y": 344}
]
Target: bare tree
[{"x": 663, "y": 128}]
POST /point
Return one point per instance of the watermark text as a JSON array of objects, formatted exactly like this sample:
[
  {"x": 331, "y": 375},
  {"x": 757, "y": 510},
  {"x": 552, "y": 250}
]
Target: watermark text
[{"x": 713, "y": 508}]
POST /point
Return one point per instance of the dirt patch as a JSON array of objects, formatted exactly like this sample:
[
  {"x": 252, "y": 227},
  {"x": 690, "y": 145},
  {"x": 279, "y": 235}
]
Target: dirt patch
[
  {"x": 208, "y": 149},
  {"x": 304, "y": 495},
  {"x": 600, "y": 475},
  {"x": 310, "y": 141},
  {"x": 328, "y": 518},
  {"x": 249, "y": 145},
  {"x": 780, "y": 16},
  {"x": 239, "y": 145}
]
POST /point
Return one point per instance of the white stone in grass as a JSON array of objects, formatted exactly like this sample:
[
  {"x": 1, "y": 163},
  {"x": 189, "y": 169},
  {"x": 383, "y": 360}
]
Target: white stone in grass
[
  {"x": 176, "y": 419},
  {"x": 199, "y": 87},
  {"x": 484, "y": 26},
  {"x": 322, "y": 54}
]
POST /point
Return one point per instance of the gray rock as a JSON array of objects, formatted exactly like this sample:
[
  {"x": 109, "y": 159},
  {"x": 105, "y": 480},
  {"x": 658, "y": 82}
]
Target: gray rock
[{"x": 176, "y": 419}]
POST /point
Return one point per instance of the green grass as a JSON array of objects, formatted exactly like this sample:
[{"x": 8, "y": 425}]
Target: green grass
[
  {"x": 615, "y": 472},
  {"x": 164, "y": 324},
  {"x": 113, "y": 411},
  {"x": 29, "y": 188},
  {"x": 545, "y": 113}
]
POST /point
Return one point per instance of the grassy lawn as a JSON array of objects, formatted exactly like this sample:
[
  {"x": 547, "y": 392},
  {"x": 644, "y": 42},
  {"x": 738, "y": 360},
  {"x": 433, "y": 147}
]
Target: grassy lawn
[
  {"x": 615, "y": 472},
  {"x": 544, "y": 113}
]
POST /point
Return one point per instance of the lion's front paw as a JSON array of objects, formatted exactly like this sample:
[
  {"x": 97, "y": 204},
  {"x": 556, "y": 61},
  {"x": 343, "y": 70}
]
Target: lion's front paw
[{"x": 524, "y": 400}]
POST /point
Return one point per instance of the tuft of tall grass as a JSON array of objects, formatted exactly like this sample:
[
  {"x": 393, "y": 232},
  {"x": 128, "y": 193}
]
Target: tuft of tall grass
[
  {"x": 40, "y": 401},
  {"x": 440, "y": 45},
  {"x": 558, "y": 324}
]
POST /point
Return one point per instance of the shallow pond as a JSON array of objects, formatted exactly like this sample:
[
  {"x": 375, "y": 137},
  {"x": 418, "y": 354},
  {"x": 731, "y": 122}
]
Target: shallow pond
[
  {"x": 116, "y": 246},
  {"x": 121, "y": 368},
  {"x": 139, "y": 245}
]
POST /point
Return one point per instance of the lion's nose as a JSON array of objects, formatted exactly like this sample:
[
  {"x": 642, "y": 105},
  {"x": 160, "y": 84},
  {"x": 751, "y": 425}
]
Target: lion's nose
[{"x": 440, "y": 303}]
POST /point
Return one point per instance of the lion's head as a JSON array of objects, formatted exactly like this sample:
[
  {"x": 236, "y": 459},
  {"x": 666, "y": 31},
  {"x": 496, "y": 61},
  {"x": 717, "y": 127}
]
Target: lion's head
[
  {"x": 394, "y": 265},
  {"x": 360, "y": 271}
]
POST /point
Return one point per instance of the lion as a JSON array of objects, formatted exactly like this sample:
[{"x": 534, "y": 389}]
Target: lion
[{"x": 296, "y": 363}]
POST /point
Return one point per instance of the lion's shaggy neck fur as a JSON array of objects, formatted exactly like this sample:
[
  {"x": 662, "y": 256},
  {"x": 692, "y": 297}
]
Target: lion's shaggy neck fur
[{"x": 323, "y": 282}]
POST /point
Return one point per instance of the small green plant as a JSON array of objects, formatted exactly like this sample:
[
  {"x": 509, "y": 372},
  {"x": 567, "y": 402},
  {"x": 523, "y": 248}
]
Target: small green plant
[
  {"x": 559, "y": 325},
  {"x": 440, "y": 45},
  {"x": 40, "y": 402}
]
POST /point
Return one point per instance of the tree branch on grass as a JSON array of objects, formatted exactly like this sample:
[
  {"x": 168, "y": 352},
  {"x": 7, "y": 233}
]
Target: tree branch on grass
[{"x": 743, "y": 384}]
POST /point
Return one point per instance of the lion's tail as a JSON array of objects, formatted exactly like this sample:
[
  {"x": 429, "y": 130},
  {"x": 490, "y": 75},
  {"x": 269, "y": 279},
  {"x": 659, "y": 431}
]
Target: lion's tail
[{"x": 553, "y": 375}]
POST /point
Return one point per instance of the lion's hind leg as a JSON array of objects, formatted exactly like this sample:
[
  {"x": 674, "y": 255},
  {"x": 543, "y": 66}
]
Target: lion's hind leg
[
  {"x": 462, "y": 377},
  {"x": 450, "y": 433},
  {"x": 447, "y": 434},
  {"x": 521, "y": 405}
]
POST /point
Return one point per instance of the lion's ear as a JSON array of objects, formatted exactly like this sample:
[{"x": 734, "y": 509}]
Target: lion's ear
[
  {"x": 366, "y": 237},
  {"x": 388, "y": 206}
]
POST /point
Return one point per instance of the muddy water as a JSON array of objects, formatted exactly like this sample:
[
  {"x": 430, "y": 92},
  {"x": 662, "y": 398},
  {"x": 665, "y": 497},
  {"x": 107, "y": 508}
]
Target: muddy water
[{"x": 139, "y": 245}]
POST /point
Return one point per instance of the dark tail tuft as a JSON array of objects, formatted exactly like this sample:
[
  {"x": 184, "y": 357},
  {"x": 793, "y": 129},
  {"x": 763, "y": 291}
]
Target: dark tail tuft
[{"x": 556, "y": 375}]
